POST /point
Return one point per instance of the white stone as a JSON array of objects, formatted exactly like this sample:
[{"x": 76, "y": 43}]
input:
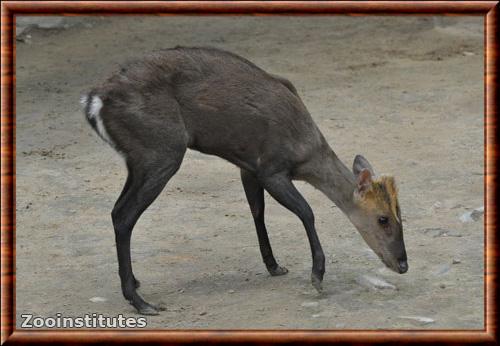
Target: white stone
[
  {"x": 442, "y": 269},
  {"x": 374, "y": 282},
  {"x": 421, "y": 319}
]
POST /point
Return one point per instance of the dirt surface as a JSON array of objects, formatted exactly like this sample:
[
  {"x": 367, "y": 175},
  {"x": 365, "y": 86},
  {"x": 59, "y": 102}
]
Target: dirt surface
[{"x": 405, "y": 92}]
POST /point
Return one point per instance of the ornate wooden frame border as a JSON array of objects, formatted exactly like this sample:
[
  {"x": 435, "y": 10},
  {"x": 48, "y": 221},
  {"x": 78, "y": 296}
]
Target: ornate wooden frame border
[{"x": 9, "y": 9}]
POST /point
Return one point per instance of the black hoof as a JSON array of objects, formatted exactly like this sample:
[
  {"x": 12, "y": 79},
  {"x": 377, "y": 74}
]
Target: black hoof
[
  {"x": 277, "y": 271},
  {"x": 137, "y": 283},
  {"x": 148, "y": 310},
  {"x": 143, "y": 307},
  {"x": 160, "y": 307},
  {"x": 316, "y": 282}
]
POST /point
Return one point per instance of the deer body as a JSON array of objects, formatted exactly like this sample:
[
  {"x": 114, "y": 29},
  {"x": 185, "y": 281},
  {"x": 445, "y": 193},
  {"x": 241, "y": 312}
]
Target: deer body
[{"x": 220, "y": 104}]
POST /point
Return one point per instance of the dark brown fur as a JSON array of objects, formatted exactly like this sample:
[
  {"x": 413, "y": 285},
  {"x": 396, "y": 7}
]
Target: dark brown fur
[{"x": 152, "y": 110}]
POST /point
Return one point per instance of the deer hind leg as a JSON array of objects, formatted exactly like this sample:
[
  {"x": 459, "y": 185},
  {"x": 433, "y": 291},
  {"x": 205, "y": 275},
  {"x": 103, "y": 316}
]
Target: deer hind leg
[
  {"x": 153, "y": 147},
  {"x": 255, "y": 196},
  {"x": 147, "y": 180}
]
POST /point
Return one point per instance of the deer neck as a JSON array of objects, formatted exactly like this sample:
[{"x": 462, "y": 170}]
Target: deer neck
[{"x": 332, "y": 177}]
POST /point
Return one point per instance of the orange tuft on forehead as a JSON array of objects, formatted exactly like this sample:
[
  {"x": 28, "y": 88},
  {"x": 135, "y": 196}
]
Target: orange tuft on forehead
[{"x": 384, "y": 191}]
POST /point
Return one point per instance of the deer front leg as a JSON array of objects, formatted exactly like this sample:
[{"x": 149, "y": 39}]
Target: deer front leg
[
  {"x": 282, "y": 189},
  {"x": 255, "y": 196}
]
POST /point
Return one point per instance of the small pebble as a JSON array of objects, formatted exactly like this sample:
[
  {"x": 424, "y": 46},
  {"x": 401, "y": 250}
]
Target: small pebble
[
  {"x": 437, "y": 205},
  {"x": 442, "y": 286},
  {"x": 231, "y": 291},
  {"x": 309, "y": 304},
  {"x": 97, "y": 299},
  {"x": 456, "y": 261},
  {"x": 471, "y": 216},
  {"x": 438, "y": 232},
  {"x": 203, "y": 313}
]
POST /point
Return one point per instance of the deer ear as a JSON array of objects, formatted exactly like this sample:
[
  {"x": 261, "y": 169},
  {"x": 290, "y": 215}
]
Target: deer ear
[
  {"x": 361, "y": 163},
  {"x": 364, "y": 181}
]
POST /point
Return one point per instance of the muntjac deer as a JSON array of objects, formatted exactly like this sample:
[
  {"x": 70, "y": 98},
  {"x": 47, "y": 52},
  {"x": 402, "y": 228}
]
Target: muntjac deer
[{"x": 218, "y": 103}]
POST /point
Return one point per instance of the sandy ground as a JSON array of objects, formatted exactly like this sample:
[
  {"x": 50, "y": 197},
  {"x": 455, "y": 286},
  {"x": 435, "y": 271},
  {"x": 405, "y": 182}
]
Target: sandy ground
[{"x": 402, "y": 91}]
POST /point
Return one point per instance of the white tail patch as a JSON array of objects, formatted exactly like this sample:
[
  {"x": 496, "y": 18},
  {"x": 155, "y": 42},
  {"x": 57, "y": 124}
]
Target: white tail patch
[
  {"x": 95, "y": 107},
  {"x": 94, "y": 113}
]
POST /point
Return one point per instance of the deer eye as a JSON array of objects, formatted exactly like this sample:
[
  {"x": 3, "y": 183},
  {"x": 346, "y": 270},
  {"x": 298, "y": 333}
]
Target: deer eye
[{"x": 383, "y": 220}]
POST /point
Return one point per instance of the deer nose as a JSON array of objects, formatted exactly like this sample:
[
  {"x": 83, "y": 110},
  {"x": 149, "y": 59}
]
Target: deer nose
[{"x": 403, "y": 267}]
